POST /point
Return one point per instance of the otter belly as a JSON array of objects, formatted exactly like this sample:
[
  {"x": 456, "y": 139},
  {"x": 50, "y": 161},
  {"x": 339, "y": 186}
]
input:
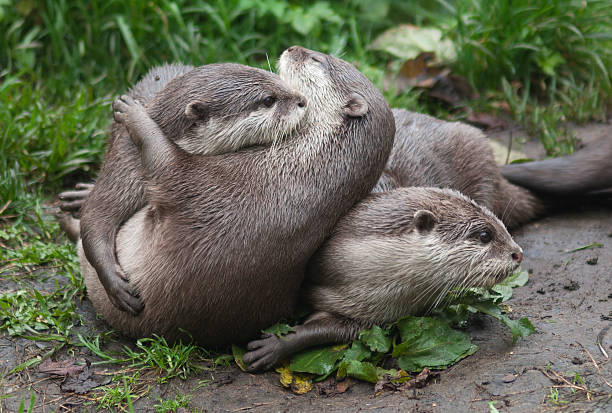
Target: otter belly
[{"x": 133, "y": 246}]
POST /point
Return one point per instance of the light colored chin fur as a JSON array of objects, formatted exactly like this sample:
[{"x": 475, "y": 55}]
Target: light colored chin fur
[
  {"x": 260, "y": 127},
  {"x": 309, "y": 79},
  {"x": 376, "y": 280}
]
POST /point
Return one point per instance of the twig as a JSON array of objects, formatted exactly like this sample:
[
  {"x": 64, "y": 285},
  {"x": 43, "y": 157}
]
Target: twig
[
  {"x": 563, "y": 383},
  {"x": 251, "y": 407},
  {"x": 5, "y": 206},
  {"x": 509, "y": 148},
  {"x": 596, "y": 366},
  {"x": 600, "y": 338}
]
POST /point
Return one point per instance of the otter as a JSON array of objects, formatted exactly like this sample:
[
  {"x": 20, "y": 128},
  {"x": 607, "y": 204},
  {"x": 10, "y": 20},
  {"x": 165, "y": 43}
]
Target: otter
[
  {"x": 194, "y": 107},
  {"x": 396, "y": 253},
  {"x": 400, "y": 250},
  {"x": 226, "y": 238},
  {"x": 431, "y": 152}
]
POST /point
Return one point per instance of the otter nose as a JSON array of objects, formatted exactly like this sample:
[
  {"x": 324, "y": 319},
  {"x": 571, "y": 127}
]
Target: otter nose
[{"x": 517, "y": 256}]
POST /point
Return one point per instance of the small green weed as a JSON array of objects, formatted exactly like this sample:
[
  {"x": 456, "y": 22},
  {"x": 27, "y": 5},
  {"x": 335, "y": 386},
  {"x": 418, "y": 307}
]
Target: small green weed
[
  {"x": 554, "y": 397},
  {"x": 31, "y": 255},
  {"x": 22, "y": 408},
  {"x": 172, "y": 405},
  {"x": 176, "y": 360},
  {"x": 172, "y": 360},
  {"x": 122, "y": 394}
]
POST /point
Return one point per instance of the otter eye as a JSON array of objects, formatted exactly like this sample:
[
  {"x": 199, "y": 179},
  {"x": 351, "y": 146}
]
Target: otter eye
[
  {"x": 269, "y": 101},
  {"x": 485, "y": 237},
  {"x": 319, "y": 59}
]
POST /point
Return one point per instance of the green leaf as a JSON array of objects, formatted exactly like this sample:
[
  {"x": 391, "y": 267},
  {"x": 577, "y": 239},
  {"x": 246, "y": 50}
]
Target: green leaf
[
  {"x": 238, "y": 353},
  {"x": 323, "y": 11},
  {"x": 516, "y": 279},
  {"x": 519, "y": 328},
  {"x": 279, "y": 329},
  {"x": 302, "y": 22},
  {"x": 357, "y": 351},
  {"x": 320, "y": 360},
  {"x": 547, "y": 61},
  {"x": 408, "y": 41},
  {"x": 128, "y": 37},
  {"x": 376, "y": 339},
  {"x": 361, "y": 370},
  {"x": 429, "y": 342}
]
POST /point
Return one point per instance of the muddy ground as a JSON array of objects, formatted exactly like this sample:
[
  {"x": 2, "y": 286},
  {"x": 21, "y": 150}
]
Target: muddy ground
[{"x": 568, "y": 299}]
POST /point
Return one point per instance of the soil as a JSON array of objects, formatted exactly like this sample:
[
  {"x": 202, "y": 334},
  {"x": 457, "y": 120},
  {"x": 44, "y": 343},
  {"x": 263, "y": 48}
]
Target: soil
[{"x": 568, "y": 299}]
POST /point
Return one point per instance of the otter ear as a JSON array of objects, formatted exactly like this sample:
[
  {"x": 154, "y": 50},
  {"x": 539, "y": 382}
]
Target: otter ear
[
  {"x": 356, "y": 106},
  {"x": 424, "y": 221},
  {"x": 196, "y": 110}
]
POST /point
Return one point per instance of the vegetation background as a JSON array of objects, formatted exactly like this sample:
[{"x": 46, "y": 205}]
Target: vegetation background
[{"x": 537, "y": 63}]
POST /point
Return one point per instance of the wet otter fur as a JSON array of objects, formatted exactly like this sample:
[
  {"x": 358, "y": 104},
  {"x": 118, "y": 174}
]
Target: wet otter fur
[
  {"x": 222, "y": 250},
  {"x": 194, "y": 107}
]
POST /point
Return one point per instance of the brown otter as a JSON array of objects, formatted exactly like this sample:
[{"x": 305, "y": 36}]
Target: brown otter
[
  {"x": 229, "y": 248},
  {"x": 396, "y": 253},
  {"x": 194, "y": 108},
  {"x": 400, "y": 250}
]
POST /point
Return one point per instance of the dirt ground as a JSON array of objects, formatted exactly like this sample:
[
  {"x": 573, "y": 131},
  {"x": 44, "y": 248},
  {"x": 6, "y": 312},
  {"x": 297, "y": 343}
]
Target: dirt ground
[{"x": 568, "y": 299}]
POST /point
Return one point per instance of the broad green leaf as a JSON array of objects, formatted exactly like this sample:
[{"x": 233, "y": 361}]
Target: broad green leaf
[
  {"x": 361, "y": 370},
  {"x": 408, "y": 41},
  {"x": 320, "y": 360},
  {"x": 357, "y": 351},
  {"x": 547, "y": 61},
  {"x": 376, "y": 339},
  {"x": 505, "y": 291},
  {"x": 429, "y": 342},
  {"x": 517, "y": 279}
]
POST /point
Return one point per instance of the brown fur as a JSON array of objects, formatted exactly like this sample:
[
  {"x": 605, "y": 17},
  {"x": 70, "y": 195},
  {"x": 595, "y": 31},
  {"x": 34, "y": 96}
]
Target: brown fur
[
  {"x": 589, "y": 169},
  {"x": 376, "y": 267},
  {"x": 396, "y": 253},
  {"x": 228, "y": 249},
  {"x": 431, "y": 152},
  {"x": 222, "y": 91}
]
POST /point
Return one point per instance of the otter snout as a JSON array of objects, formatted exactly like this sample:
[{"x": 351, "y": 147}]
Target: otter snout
[{"x": 517, "y": 257}]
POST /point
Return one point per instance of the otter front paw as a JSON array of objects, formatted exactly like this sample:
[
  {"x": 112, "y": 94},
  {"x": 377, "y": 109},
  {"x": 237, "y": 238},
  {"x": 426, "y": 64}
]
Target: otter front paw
[
  {"x": 121, "y": 294},
  {"x": 263, "y": 354},
  {"x": 131, "y": 113}
]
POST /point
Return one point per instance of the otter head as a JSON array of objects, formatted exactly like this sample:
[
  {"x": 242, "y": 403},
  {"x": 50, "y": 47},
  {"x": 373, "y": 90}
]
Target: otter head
[
  {"x": 404, "y": 250},
  {"x": 465, "y": 242},
  {"x": 336, "y": 91},
  {"x": 224, "y": 107}
]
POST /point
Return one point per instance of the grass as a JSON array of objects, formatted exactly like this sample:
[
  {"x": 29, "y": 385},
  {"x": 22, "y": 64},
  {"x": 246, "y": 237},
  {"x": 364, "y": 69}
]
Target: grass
[
  {"x": 172, "y": 405},
  {"x": 61, "y": 63}
]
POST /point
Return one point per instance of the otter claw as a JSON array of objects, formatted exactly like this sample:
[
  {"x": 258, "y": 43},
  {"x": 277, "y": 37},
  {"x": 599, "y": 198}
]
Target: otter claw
[
  {"x": 263, "y": 354},
  {"x": 72, "y": 201}
]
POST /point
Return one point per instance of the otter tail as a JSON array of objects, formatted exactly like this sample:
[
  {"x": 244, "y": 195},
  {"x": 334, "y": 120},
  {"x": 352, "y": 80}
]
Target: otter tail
[{"x": 588, "y": 170}]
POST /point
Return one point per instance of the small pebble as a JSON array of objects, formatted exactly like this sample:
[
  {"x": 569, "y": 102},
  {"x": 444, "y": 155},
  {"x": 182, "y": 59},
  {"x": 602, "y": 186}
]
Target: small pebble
[
  {"x": 509, "y": 378},
  {"x": 592, "y": 261}
]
